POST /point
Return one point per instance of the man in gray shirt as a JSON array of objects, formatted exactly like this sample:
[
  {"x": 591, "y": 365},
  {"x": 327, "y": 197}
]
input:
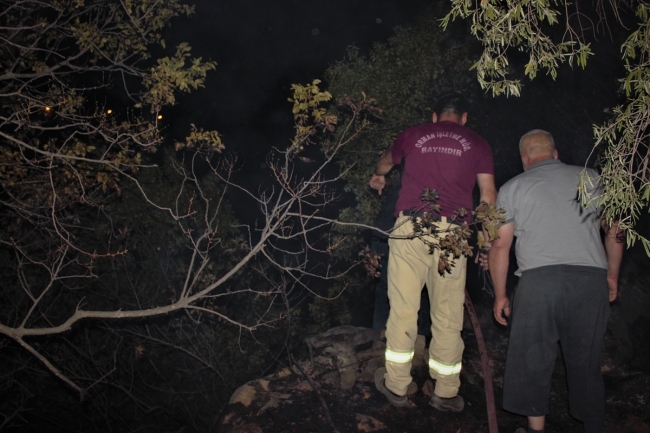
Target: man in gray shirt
[{"x": 567, "y": 281}]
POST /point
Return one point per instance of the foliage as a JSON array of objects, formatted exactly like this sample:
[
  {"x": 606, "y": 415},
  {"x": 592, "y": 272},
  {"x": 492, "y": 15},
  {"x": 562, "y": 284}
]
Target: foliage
[
  {"x": 65, "y": 149},
  {"x": 551, "y": 33},
  {"x": 400, "y": 78},
  {"x": 624, "y": 162},
  {"x": 309, "y": 116},
  {"x": 452, "y": 242},
  {"x": 490, "y": 218},
  {"x": 503, "y": 25},
  {"x": 63, "y": 142},
  {"x": 130, "y": 286},
  {"x": 120, "y": 278}
]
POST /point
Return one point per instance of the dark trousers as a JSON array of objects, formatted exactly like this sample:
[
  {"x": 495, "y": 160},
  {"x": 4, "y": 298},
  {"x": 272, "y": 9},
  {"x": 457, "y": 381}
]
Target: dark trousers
[{"x": 557, "y": 304}]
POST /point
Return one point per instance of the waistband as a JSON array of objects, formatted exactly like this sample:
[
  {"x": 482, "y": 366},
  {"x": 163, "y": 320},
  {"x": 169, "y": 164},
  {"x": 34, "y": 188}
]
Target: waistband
[
  {"x": 433, "y": 217},
  {"x": 554, "y": 269}
]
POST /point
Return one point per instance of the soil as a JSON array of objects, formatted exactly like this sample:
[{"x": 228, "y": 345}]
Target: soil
[
  {"x": 626, "y": 371},
  {"x": 364, "y": 409}
]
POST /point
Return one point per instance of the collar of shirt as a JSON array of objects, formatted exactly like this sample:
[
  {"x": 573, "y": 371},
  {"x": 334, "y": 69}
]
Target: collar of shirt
[{"x": 545, "y": 162}]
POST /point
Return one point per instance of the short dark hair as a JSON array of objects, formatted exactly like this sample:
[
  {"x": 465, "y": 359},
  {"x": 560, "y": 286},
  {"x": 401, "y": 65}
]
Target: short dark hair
[{"x": 452, "y": 103}]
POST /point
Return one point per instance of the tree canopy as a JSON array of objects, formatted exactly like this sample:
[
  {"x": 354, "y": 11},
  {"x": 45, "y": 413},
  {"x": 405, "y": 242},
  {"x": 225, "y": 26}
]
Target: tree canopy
[
  {"x": 107, "y": 222},
  {"x": 552, "y": 33}
]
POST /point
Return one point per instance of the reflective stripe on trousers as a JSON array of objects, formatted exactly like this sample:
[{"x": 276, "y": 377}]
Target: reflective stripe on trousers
[
  {"x": 444, "y": 369},
  {"x": 399, "y": 357}
]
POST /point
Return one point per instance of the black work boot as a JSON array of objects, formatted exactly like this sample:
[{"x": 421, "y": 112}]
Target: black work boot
[{"x": 453, "y": 404}]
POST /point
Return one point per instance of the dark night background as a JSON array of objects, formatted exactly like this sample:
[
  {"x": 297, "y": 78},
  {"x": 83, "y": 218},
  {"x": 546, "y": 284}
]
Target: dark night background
[{"x": 261, "y": 49}]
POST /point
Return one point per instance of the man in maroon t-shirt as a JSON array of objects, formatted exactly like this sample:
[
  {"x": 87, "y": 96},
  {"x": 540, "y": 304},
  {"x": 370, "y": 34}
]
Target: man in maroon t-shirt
[{"x": 446, "y": 156}]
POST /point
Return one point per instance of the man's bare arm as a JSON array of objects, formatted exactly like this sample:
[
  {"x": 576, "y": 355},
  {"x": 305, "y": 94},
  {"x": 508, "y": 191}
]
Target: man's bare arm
[
  {"x": 384, "y": 165},
  {"x": 614, "y": 246},
  {"x": 499, "y": 259},
  {"x": 486, "y": 186}
]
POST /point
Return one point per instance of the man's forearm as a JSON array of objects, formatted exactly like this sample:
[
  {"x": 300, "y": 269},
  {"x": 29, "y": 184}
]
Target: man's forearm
[
  {"x": 385, "y": 164},
  {"x": 486, "y": 187},
  {"x": 499, "y": 260},
  {"x": 614, "y": 248}
]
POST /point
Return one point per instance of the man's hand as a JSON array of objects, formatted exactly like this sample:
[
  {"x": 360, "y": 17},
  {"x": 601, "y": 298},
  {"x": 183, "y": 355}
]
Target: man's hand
[
  {"x": 501, "y": 310},
  {"x": 482, "y": 259},
  {"x": 378, "y": 182},
  {"x": 612, "y": 282}
]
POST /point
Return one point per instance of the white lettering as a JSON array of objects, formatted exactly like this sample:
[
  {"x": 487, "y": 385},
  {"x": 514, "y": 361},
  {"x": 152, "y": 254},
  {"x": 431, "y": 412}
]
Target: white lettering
[
  {"x": 445, "y": 150},
  {"x": 424, "y": 139},
  {"x": 443, "y": 134}
]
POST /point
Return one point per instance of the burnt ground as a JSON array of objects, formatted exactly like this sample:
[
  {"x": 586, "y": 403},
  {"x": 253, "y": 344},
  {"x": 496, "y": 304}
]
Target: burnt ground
[
  {"x": 364, "y": 409},
  {"x": 626, "y": 368}
]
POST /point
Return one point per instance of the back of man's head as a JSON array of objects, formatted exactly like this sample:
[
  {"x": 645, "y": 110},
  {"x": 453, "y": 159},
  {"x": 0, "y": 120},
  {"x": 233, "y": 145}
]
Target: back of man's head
[
  {"x": 537, "y": 144},
  {"x": 450, "y": 103}
]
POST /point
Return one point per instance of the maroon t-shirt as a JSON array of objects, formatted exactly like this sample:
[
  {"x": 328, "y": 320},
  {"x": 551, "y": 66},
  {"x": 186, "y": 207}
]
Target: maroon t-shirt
[{"x": 445, "y": 156}]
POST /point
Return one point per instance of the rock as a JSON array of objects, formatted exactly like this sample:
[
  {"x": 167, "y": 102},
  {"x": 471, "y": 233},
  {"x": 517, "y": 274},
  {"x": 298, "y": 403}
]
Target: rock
[
  {"x": 348, "y": 379},
  {"x": 344, "y": 354},
  {"x": 244, "y": 395},
  {"x": 368, "y": 423},
  {"x": 339, "y": 359},
  {"x": 367, "y": 373}
]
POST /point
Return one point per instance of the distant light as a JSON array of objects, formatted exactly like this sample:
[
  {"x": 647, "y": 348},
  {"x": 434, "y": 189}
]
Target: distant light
[
  {"x": 315, "y": 31},
  {"x": 378, "y": 20},
  {"x": 48, "y": 109},
  {"x": 109, "y": 111},
  {"x": 159, "y": 117}
]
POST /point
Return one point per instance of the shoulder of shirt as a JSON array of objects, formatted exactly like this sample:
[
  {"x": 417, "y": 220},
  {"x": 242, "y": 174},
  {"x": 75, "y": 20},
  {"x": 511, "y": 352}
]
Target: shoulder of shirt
[
  {"x": 513, "y": 181},
  {"x": 426, "y": 125},
  {"x": 417, "y": 129},
  {"x": 580, "y": 168},
  {"x": 473, "y": 135}
]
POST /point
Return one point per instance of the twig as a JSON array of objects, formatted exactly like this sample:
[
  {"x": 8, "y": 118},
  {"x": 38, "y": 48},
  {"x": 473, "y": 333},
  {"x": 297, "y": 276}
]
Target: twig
[
  {"x": 320, "y": 397},
  {"x": 311, "y": 352}
]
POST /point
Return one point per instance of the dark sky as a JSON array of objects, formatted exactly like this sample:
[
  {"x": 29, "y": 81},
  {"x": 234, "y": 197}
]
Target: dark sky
[{"x": 261, "y": 48}]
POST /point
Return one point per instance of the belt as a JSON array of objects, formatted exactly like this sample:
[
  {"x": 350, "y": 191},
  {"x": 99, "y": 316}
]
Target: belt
[{"x": 433, "y": 217}]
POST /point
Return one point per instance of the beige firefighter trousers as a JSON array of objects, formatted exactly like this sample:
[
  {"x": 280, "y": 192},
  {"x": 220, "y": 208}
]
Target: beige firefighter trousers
[{"x": 410, "y": 266}]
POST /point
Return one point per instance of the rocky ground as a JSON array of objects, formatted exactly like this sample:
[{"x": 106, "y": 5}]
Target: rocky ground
[
  {"x": 287, "y": 402},
  {"x": 331, "y": 389}
]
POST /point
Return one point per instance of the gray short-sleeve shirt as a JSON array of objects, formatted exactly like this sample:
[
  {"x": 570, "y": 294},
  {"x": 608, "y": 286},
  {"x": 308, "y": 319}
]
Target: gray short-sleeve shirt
[{"x": 551, "y": 225}]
